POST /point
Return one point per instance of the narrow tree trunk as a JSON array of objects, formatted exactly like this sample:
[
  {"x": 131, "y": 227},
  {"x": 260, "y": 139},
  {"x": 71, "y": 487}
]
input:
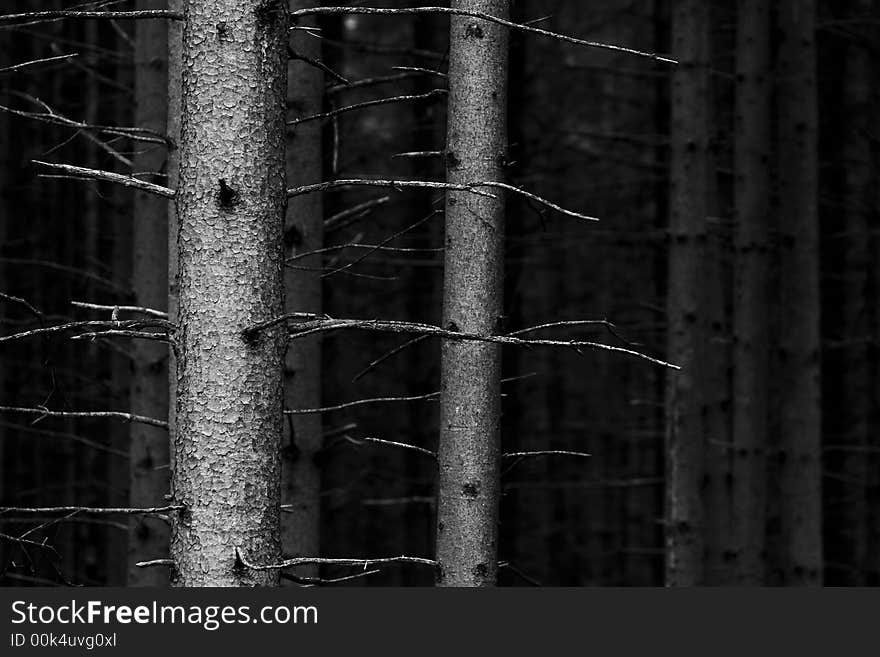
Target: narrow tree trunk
[
  {"x": 230, "y": 207},
  {"x": 800, "y": 467},
  {"x": 149, "y": 392},
  {"x": 854, "y": 356},
  {"x": 746, "y": 494},
  {"x": 685, "y": 294},
  {"x": 476, "y": 147},
  {"x": 304, "y": 233}
]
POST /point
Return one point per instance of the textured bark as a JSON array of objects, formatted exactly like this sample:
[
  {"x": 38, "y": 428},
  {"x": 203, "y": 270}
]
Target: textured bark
[
  {"x": 149, "y": 393},
  {"x": 744, "y": 558},
  {"x": 304, "y": 233},
  {"x": 799, "y": 459},
  {"x": 230, "y": 204},
  {"x": 687, "y": 334},
  {"x": 476, "y": 147}
]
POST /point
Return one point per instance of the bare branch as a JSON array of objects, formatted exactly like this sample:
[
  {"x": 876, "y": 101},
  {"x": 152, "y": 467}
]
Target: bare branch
[
  {"x": 368, "y": 182},
  {"x": 99, "y": 324},
  {"x": 116, "y": 309},
  {"x": 326, "y": 325},
  {"x": 328, "y": 561},
  {"x": 45, "y": 412},
  {"x": 292, "y": 54},
  {"x": 339, "y": 220},
  {"x": 95, "y": 174},
  {"x": 91, "y": 509},
  {"x": 476, "y": 14},
  {"x": 552, "y": 452},
  {"x": 370, "y": 103},
  {"x": 154, "y": 562},
  {"x": 391, "y": 443},
  {"x": 33, "y": 62},
  {"x": 52, "y": 15},
  {"x": 361, "y": 402}
]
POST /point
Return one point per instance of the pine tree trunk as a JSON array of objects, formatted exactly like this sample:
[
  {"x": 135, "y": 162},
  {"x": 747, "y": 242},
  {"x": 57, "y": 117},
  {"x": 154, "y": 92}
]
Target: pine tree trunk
[
  {"x": 149, "y": 392},
  {"x": 476, "y": 147},
  {"x": 304, "y": 233},
  {"x": 747, "y": 490},
  {"x": 800, "y": 467},
  {"x": 687, "y": 334},
  {"x": 230, "y": 206}
]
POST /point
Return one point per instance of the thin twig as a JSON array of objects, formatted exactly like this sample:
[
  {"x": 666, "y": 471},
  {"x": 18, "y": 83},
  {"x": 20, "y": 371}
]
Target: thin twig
[
  {"x": 391, "y": 443},
  {"x": 339, "y": 220},
  {"x": 370, "y": 103},
  {"x": 312, "y": 11},
  {"x": 44, "y": 60}
]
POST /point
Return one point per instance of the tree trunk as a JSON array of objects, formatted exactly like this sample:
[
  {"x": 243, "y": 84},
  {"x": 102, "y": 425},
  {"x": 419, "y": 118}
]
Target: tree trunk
[
  {"x": 855, "y": 389},
  {"x": 230, "y": 207},
  {"x": 799, "y": 459},
  {"x": 746, "y": 493},
  {"x": 304, "y": 233},
  {"x": 149, "y": 392},
  {"x": 476, "y": 147},
  {"x": 687, "y": 330}
]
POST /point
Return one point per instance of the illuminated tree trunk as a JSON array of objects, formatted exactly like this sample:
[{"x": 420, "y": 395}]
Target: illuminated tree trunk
[
  {"x": 476, "y": 146},
  {"x": 230, "y": 206}
]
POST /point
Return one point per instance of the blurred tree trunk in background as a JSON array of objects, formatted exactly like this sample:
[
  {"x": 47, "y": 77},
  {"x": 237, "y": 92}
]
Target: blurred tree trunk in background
[
  {"x": 799, "y": 458},
  {"x": 744, "y": 555},
  {"x": 149, "y": 393},
  {"x": 303, "y": 234},
  {"x": 687, "y": 333},
  {"x": 469, "y": 451}
]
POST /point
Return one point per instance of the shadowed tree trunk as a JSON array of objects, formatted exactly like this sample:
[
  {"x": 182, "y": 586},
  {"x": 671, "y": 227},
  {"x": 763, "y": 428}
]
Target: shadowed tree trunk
[
  {"x": 149, "y": 392},
  {"x": 687, "y": 335},
  {"x": 746, "y": 493},
  {"x": 304, "y": 233},
  {"x": 852, "y": 421},
  {"x": 799, "y": 459},
  {"x": 230, "y": 207},
  {"x": 476, "y": 147}
]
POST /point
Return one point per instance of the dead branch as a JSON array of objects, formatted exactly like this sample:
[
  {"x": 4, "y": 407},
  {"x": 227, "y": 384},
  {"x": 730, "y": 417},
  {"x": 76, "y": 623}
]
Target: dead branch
[
  {"x": 45, "y": 412},
  {"x": 384, "y": 326},
  {"x": 95, "y": 174},
  {"x": 91, "y": 509},
  {"x": 33, "y": 16},
  {"x": 99, "y": 324},
  {"x": 476, "y": 14},
  {"x": 116, "y": 309},
  {"x": 346, "y": 217},
  {"x": 391, "y": 443},
  {"x": 328, "y": 561},
  {"x": 370, "y": 103},
  {"x": 33, "y": 62},
  {"x": 396, "y": 184}
]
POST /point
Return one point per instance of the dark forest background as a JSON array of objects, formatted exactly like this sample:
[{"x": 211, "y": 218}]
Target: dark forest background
[{"x": 588, "y": 129}]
